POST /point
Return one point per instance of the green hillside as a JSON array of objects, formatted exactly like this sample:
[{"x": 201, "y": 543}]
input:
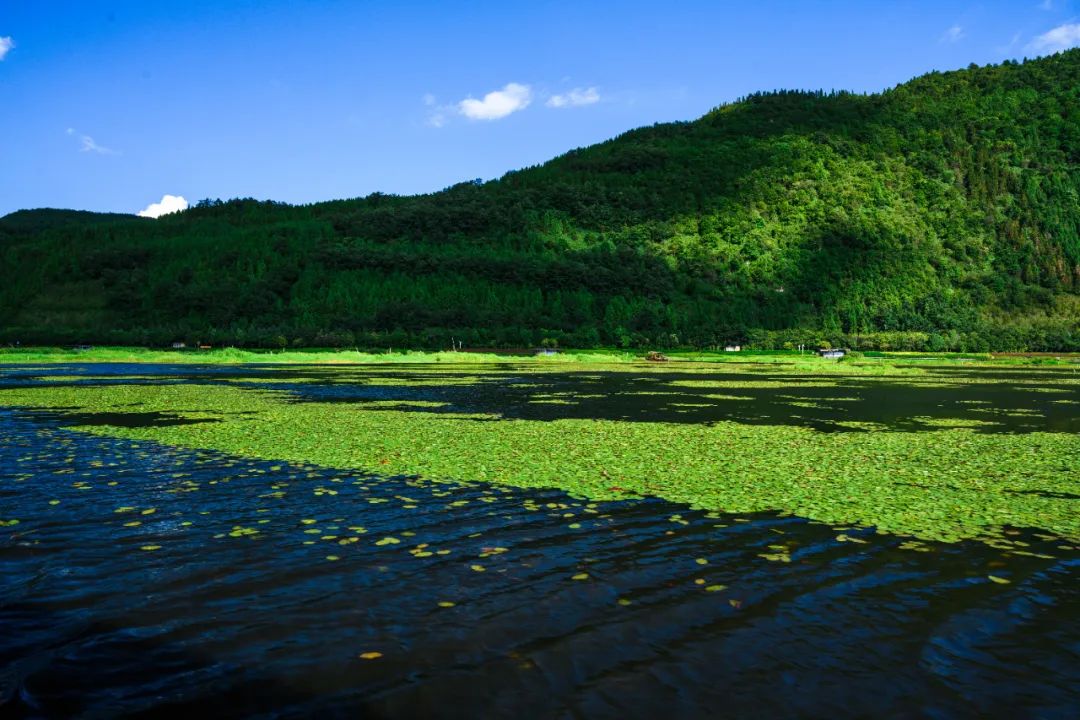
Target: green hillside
[{"x": 942, "y": 214}]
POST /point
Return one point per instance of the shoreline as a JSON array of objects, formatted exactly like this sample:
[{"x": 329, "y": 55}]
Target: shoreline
[{"x": 237, "y": 356}]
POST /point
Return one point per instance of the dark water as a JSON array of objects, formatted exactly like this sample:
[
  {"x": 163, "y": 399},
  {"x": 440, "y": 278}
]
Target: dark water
[
  {"x": 984, "y": 399},
  {"x": 234, "y": 608}
]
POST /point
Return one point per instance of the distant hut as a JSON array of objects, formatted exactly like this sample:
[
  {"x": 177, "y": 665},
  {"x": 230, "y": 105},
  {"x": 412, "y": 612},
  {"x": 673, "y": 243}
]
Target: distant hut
[
  {"x": 654, "y": 356},
  {"x": 546, "y": 352},
  {"x": 832, "y": 353},
  {"x": 733, "y": 348},
  {"x": 179, "y": 346}
]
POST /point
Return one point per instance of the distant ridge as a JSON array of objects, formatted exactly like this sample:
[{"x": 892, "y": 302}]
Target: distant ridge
[
  {"x": 942, "y": 214},
  {"x": 31, "y": 221}
]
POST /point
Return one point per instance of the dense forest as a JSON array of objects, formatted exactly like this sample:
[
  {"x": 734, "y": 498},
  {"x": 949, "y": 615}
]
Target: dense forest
[{"x": 943, "y": 214}]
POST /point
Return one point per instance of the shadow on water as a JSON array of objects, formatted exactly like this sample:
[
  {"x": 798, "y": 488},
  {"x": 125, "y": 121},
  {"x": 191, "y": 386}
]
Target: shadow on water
[
  {"x": 1046, "y": 494},
  {"x": 143, "y": 580},
  {"x": 986, "y": 400},
  {"x": 67, "y": 418},
  {"x": 108, "y": 669}
]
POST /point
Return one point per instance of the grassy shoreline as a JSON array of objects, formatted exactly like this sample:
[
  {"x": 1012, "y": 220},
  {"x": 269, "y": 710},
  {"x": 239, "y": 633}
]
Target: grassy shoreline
[{"x": 238, "y": 356}]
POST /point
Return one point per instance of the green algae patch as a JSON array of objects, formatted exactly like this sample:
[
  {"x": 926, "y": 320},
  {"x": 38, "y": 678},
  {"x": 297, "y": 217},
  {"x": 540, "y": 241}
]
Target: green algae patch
[{"x": 967, "y": 471}]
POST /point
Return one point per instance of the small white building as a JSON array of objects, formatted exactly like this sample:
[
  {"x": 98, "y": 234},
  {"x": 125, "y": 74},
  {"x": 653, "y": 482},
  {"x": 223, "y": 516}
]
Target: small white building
[
  {"x": 179, "y": 346},
  {"x": 733, "y": 348},
  {"x": 832, "y": 353}
]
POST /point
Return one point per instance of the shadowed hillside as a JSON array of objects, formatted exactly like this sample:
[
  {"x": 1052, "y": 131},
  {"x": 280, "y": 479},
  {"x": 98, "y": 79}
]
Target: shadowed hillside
[{"x": 943, "y": 214}]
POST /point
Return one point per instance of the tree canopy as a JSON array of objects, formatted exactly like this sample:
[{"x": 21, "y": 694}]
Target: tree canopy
[{"x": 942, "y": 214}]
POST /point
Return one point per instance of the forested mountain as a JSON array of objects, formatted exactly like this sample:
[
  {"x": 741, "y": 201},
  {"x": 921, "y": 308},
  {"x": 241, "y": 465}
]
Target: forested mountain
[{"x": 941, "y": 214}]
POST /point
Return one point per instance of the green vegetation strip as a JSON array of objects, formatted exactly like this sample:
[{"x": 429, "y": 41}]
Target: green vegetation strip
[
  {"x": 947, "y": 483},
  {"x": 237, "y": 356},
  {"x": 796, "y": 360}
]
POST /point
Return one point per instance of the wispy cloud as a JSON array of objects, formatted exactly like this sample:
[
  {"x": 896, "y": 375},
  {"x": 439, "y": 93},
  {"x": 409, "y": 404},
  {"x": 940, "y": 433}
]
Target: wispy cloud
[
  {"x": 1060, "y": 38},
  {"x": 87, "y": 144},
  {"x": 497, "y": 104},
  {"x": 574, "y": 98},
  {"x": 168, "y": 204},
  {"x": 6, "y": 43},
  {"x": 436, "y": 114},
  {"x": 954, "y": 34}
]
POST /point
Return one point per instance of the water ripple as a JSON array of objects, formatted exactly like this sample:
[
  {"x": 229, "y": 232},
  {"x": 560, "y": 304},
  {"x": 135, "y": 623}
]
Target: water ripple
[{"x": 144, "y": 579}]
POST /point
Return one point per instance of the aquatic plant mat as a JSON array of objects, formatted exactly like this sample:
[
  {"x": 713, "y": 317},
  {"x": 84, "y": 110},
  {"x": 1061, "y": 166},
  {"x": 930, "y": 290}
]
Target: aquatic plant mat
[{"x": 940, "y": 452}]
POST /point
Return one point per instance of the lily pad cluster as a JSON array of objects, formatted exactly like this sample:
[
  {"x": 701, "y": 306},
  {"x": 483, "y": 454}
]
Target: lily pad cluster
[{"x": 938, "y": 478}]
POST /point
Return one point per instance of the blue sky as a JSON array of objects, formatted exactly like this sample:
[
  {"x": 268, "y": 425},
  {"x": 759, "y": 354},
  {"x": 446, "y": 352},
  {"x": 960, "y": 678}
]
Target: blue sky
[{"x": 111, "y": 105}]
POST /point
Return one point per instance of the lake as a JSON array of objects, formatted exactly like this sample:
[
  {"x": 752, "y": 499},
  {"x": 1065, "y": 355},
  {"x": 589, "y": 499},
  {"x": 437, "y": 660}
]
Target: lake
[{"x": 139, "y": 577}]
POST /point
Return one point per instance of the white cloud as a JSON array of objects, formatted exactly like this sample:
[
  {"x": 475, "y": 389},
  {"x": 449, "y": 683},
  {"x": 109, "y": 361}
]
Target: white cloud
[
  {"x": 953, "y": 34},
  {"x": 168, "y": 204},
  {"x": 429, "y": 99},
  {"x": 497, "y": 103},
  {"x": 575, "y": 98},
  {"x": 6, "y": 43},
  {"x": 87, "y": 144},
  {"x": 1060, "y": 38},
  {"x": 1046, "y": 5}
]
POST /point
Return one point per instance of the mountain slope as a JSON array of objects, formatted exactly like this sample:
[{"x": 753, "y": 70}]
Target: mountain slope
[{"x": 941, "y": 214}]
